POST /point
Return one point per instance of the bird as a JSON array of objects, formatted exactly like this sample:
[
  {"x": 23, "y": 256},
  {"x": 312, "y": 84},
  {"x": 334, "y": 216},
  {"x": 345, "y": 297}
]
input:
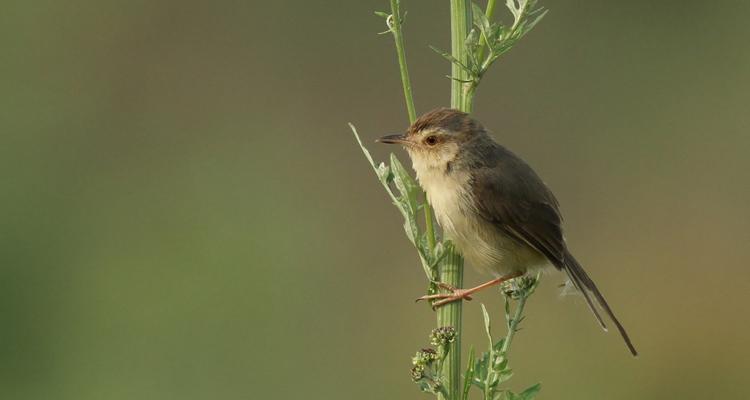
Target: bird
[{"x": 492, "y": 205}]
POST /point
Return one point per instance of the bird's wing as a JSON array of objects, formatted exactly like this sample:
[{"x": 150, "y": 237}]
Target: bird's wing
[
  {"x": 519, "y": 204},
  {"x": 511, "y": 196}
]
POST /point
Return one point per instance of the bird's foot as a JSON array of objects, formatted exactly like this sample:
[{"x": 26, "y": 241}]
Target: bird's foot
[
  {"x": 445, "y": 298},
  {"x": 463, "y": 294}
]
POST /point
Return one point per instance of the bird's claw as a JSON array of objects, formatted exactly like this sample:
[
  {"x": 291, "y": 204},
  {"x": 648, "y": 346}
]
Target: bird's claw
[{"x": 445, "y": 298}]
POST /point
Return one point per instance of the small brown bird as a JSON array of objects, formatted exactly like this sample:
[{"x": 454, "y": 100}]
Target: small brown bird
[{"x": 492, "y": 205}]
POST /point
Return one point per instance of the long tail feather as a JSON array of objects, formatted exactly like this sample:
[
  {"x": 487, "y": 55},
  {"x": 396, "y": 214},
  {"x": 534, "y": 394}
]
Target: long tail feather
[{"x": 587, "y": 287}]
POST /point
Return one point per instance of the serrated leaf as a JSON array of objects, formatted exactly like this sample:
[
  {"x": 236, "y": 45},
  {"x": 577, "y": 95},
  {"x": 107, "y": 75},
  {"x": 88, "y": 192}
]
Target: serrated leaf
[
  {"x": 480, "y": 370},
  {"x": 492, "y": 382},
  {"x": 499, "y": 344},
  {"x": 504, "y": 375},
  {"x": 499, "y": 31},
  {"x": 472, "y": 39},
  {"x": 501, "y": 363},
  {"x": 384, "y": 173},
  {"x": 405, "y": 184},
  {"x": 410, "y": 231},
  {"x": 516, "y": 8},
  {"x": 407, "y": 208},
  {"x": 440, "y": 252},
  {"x": 480, "y": 20},
  {"x": 531, "y": 24},
  {"x": 531, "y": 392},
  {"x": 472, "y": 51},
  {"x": 423, "y": 249},
  {"x": 378, "y": 170},
  {"x": 452, "y": 59},
  {"x": 422, "y": 244}
]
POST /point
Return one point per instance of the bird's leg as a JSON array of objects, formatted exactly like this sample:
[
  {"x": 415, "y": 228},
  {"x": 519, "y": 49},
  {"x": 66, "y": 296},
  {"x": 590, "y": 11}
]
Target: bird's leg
[{"x": 463, "y": 294}]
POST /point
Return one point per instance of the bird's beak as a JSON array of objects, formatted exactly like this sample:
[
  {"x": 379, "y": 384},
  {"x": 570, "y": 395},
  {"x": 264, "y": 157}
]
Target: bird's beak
[{"x": 394, "y": 139}]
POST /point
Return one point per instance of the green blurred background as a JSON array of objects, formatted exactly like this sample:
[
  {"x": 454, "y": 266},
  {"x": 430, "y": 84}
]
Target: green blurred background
[{"x": 185, "y": 215}]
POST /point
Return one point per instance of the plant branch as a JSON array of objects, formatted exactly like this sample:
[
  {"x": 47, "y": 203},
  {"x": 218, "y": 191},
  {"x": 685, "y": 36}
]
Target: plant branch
[
  {"x": 483, "y": 44},
  {"x": 513, "y": 323},
  {"x": 395, "y": 22}
]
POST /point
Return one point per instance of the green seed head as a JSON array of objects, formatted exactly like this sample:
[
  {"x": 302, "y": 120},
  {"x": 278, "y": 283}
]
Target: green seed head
[
  {"x": 424, "y": 357},
  {"x": 442, "y": 336}
]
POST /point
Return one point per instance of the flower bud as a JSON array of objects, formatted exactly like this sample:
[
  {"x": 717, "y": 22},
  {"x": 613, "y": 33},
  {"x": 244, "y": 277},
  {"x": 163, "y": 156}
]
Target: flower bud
[
  {"x": 442, "y": 336},
  {"x": 424, "y": 357}
]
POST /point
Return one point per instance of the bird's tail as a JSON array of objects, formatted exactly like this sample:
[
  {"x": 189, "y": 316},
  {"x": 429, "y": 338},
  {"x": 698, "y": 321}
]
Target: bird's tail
[{"x": 587, "y": 287}]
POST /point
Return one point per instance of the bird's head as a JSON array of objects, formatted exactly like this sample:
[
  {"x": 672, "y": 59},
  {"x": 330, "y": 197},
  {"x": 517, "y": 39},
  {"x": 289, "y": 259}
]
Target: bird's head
[{"x": 437, "y": 137}]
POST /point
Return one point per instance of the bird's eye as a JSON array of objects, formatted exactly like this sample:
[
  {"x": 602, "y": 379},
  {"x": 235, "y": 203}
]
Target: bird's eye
[{"x": 431, "y": 140}]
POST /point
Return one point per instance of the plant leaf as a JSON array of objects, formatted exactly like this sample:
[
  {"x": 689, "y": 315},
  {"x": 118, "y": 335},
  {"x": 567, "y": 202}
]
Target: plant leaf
[
  {"x": 487, "y": 324},
  {"x": 516, "y": 9},
  {"x": 469, "y": 375},
  {"x": 480, "y": 370},
  {"x": 499, "y": 344},
  {"x": 362, "y": 146},
  {"x": 406, "y": 201},
  {"x": 452, "y": 59},
  {"x": 405, "y": 184},
  {"x": 530, "y": 25},
  {"x": 480, "y": 20},
  {"x": 504, "y": 375},
  {"x": 379, "y": 170},
  {"x": 531, "y": 392},
  {"x": 384, "y": 173}
]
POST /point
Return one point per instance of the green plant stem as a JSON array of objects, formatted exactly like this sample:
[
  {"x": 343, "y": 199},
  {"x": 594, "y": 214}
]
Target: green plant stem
[
  {"x": 490, "y": 12},
  {"x": 451, "y": 271},
  {"x": 461, "y": 21},
  {"x": 513, "y": 325},
  {"x": 488, "y": 393},
  {"x": 398, "y": 37},
  {"x": 394, "y": 24}
]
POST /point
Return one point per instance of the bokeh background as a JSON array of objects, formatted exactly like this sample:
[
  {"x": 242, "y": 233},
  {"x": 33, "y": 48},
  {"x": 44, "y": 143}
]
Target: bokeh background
[{"x": 185, "y": 215}]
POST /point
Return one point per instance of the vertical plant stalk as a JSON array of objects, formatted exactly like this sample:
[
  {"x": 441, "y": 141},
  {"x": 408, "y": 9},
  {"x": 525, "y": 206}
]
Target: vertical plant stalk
[
  {"x": 451, "y": 270},
  {"x": 461, "y": 22},
  {"x": 395, "y": 21}
]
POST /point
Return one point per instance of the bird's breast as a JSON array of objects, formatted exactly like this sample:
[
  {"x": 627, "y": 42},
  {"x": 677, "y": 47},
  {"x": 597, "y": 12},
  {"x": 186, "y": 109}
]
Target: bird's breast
[
  {"x": 449, "y": 196},
  {"x": 485, "y": 246}
]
